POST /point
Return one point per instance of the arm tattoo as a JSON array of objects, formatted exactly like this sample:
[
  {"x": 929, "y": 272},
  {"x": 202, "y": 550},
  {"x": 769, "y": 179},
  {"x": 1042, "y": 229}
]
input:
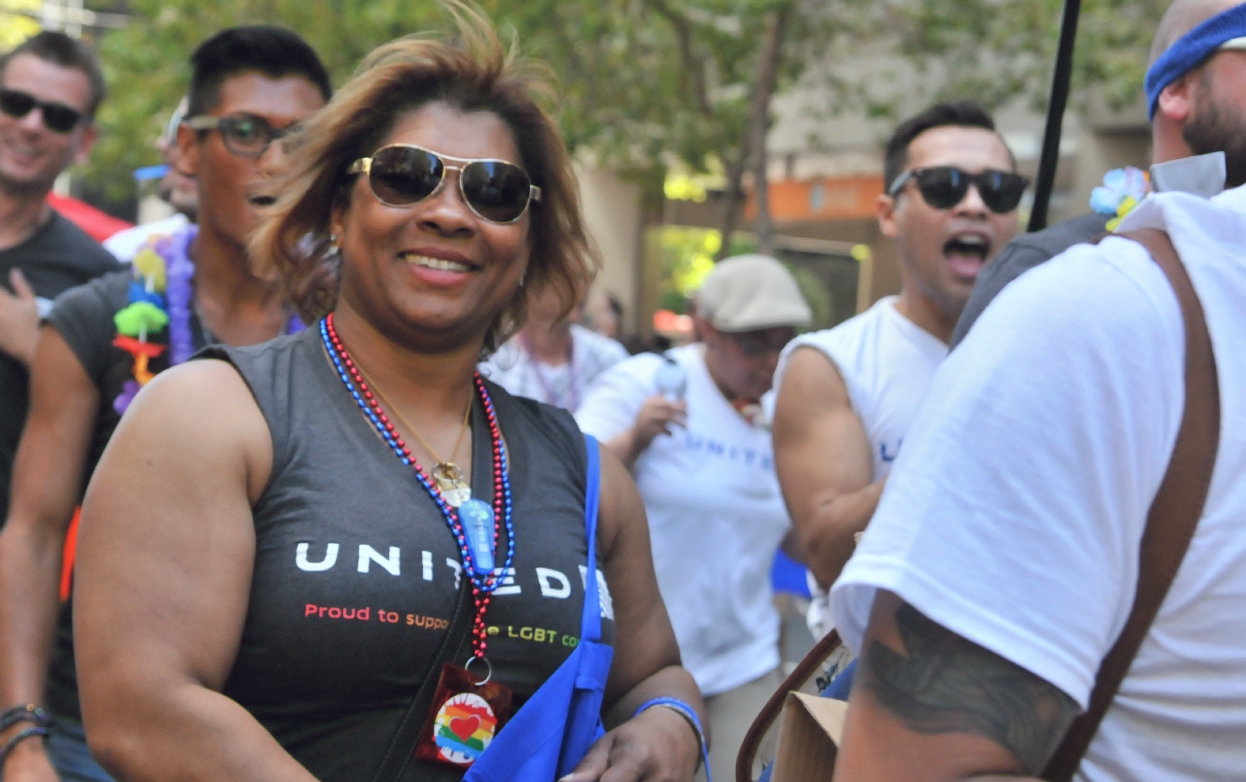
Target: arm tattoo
[{"x": 946, "y": 684}]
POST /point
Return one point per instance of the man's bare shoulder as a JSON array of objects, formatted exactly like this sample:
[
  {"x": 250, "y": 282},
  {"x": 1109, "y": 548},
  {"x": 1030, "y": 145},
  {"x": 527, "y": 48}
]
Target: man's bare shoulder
[{"x": 811, "y": 375}]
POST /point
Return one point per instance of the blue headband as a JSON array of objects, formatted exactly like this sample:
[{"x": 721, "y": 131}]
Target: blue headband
[{"x": 1191, "y": 49}]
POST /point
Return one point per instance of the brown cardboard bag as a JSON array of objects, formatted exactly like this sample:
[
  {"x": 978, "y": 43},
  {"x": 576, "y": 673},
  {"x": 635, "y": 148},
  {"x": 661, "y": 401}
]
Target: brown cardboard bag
[
  {"x": 761, "y": 744},
  {"x": 810, "y": 729}
]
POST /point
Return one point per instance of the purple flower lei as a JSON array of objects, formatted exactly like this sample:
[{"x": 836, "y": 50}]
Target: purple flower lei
[{"x": 180, "y": 272}]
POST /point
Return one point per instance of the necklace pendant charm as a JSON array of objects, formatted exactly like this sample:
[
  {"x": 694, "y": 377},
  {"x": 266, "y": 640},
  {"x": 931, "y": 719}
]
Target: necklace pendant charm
[
  {"x": 456, "y": 495},
  {"x": 449, "y": 480}
]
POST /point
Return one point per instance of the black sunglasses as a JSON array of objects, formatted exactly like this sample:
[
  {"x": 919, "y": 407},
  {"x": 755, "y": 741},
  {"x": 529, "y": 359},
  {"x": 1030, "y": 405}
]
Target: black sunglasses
[
  {"x": 402, "y": 175},
  {"x": 943, "y": 187},
  {"x": 58, "y": 117},
  {"x": 244, "y": 135}
]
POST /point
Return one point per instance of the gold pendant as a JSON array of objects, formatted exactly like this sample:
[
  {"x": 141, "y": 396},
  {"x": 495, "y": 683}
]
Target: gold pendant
[{"x": 449, "y": 480}]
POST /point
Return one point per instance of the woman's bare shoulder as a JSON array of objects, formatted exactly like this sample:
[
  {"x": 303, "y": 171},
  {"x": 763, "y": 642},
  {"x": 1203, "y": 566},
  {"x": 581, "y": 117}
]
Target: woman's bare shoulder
[
  {"x": 211, "y": 382},
  {"x": 205, "y": 409}
]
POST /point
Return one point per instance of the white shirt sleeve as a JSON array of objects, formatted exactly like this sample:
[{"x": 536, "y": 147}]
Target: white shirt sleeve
[
  {"x": 1014, "y": 513},
  {"x": 615, "y": 397}
]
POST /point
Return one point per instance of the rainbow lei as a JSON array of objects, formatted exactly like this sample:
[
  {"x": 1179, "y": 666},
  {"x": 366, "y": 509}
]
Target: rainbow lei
[
  {"x": 159, "y": 297},
  {"x": 1122, "y": 190},
  {"x": 163, "y": 273}
]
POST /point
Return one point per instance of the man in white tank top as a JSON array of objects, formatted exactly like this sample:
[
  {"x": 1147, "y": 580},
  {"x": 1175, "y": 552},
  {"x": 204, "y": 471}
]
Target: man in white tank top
[{"x": 848, "y": 394}]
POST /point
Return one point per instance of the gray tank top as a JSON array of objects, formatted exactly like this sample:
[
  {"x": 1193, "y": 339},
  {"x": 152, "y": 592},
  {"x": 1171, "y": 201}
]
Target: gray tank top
[{"x": 356, "y": 572}]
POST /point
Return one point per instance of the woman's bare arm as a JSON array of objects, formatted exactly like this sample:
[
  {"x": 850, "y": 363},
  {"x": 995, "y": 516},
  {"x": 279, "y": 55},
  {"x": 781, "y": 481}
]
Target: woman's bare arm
[
  {"x": 166, "y": 552},
  {"x": 658, "y": 744}
]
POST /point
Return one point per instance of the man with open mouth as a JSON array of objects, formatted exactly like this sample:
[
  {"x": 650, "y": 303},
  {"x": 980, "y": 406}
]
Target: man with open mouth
[
  {"x": 102, "y": 341},
  {"x": 846, "y": 395}
]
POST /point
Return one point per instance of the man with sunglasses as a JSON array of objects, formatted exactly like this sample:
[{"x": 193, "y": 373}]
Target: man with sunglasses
[
  {"x": 1197, "y": 108},
  {"x": 846, "y": 395},
  {"x": 250, "y": 86},
  {"x": 692, "y": 428},
  {"x": 50, "y": 86}
]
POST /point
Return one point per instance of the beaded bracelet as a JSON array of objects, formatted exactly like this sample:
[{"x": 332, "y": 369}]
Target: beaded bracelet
[
  {"x": 27, "y": 712},
  {"x": 17, "y": 738},
  {"x": 689, "y": 714}
]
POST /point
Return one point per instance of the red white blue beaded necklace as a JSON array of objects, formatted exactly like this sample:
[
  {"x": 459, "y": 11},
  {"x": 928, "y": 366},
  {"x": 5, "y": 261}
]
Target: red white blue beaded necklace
[{"x": 483, "y": 585}]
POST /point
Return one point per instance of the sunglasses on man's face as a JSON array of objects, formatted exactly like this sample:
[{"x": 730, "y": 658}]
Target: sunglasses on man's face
[
  {"x": 244, "y": 135},
  {"x": 402, "y": 175},
  {"x": 58, "y": 117},
  {"x": 943, "y": 187}
]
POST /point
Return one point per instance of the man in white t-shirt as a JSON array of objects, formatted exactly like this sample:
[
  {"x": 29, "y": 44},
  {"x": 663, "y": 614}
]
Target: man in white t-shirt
[
  {"x": 553, "y": 359},
  {"x": 847, "y": 395},
  {"x": 692, "y": 427},
  {"x": 1003, "y": 559}
]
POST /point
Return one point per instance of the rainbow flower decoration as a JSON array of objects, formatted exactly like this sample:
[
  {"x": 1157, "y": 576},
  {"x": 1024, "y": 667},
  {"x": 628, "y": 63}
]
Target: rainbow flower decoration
[
  {"x": 1122, "y": 190},
  {"x": 144, "y": 316}
]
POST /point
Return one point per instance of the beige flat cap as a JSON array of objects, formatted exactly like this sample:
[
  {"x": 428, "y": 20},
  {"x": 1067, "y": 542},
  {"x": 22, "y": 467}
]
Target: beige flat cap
[{"x": 750, "y": 292}]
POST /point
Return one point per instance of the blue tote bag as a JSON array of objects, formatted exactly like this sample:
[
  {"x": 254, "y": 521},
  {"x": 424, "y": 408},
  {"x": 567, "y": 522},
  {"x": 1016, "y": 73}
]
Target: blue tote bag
[{"x": 554, "y": 729}]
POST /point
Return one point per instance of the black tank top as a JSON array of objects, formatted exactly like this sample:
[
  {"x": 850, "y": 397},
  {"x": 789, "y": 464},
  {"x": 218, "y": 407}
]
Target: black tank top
[{"x": 356, "y": 572}]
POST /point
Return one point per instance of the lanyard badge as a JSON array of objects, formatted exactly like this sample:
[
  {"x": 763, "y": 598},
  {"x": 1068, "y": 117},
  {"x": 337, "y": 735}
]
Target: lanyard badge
[
  {"x": 468, "y": 711},
  {"x": 467, "y": 715}
]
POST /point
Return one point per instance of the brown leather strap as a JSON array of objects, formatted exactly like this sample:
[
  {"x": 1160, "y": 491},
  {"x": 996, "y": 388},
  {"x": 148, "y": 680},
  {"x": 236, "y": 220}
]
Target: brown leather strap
[
  {"x": 770, "y": 712},
  {"x": 1174, "y": 513}
]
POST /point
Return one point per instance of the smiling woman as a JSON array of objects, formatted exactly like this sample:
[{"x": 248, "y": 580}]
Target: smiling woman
[
  {"x": 438, "y": 198},
  {"x": 406, "y": 87}
]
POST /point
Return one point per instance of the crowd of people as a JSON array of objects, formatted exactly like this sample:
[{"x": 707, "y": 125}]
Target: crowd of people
[{"x": 343, "y": 473}]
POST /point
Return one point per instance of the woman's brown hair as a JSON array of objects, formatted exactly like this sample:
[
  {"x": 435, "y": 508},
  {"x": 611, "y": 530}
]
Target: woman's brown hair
[{"x": 475, "y": 73}]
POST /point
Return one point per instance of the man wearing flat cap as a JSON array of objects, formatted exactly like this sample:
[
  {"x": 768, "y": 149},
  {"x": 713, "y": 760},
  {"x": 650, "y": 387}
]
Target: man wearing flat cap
[{"x": 692, "y": 427}]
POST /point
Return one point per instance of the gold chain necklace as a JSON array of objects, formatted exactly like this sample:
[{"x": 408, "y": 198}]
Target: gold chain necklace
[{"x": 446, "y": 474}]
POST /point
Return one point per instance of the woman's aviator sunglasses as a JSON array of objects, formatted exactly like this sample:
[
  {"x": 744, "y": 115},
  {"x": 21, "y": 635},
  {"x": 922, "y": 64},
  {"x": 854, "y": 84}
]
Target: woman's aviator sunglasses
[
  {"x": 402, "y": 175},
  {"x": 943, "y": 187},
  {"x": 58, "y": 117}
]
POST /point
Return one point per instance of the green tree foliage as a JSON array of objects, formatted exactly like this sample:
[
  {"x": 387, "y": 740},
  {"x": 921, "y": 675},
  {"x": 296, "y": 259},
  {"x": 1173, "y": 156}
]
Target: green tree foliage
[
  {"x": 648, "y": 84},
  {"x": 1003, "y": 49},
  {"x": 17, "y": 21},
  {"x": 993, "y": 50},
  {"x": 645, "y": 82}
]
